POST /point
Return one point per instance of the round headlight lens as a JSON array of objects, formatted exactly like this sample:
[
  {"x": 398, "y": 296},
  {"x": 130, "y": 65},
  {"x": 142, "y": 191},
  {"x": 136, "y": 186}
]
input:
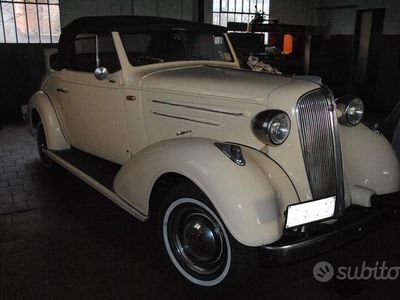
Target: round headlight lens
[
  {"x": 271, "y": 127},
  {"x": 279, "y": 129},
  {"x": 354, "y": 111}
]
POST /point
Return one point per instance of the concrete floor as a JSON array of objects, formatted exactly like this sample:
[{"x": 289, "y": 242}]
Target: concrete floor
[{"x": 60, "y": 239}]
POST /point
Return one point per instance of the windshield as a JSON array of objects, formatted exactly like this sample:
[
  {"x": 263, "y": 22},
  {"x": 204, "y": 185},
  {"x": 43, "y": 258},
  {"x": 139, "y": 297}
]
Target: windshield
[{"x": 158, "y": 47}]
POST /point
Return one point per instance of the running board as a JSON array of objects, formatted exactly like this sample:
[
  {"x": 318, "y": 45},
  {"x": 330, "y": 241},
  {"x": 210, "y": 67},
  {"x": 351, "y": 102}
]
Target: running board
[
  {"x": 69, "y": 160},
  {"x": 99, "y": 169}
]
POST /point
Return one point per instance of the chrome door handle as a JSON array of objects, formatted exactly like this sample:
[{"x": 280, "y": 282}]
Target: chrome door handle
[{"x": 61, "y": 90}]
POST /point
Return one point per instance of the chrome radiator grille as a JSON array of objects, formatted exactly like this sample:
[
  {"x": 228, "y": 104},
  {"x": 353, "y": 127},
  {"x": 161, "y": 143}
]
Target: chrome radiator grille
[{"x": 321, "y": 146}]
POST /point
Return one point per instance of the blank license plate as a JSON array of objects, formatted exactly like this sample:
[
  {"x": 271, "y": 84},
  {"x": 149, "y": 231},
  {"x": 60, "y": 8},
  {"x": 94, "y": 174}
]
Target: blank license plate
[{"x": 303, "y": 213}]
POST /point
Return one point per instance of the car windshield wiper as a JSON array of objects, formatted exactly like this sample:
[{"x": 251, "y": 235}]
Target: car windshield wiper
[
  {"x": 200, "y": 57},
  {"x": 151, "y": 58}
]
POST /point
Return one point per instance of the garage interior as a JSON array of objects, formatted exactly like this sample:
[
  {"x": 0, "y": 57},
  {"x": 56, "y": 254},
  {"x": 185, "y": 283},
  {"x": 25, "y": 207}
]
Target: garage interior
[{"x": 61, "y": 239}]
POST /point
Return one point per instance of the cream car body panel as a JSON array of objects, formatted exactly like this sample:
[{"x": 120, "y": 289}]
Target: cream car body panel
[
  {"x": 41, "y": 103},
  {"x": 215, "y": 82},
  {"x": 380, "y": 174},
  {"x": 94, "y": 114},
  {"x": 250, "y": 199},
  {"x": 165, "y": 117}
]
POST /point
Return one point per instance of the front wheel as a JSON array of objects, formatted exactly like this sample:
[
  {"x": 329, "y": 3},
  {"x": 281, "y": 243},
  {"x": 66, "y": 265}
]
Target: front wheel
[{"x": 197, "y": 242}]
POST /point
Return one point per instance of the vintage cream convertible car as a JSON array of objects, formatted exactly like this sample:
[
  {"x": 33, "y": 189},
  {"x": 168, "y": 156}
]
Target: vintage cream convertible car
[{"x": 233, "y": 166}]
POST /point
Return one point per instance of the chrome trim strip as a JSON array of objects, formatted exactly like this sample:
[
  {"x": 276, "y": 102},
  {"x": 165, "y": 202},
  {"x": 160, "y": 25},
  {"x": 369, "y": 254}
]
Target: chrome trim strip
[
  {"x": 183, "y": 132},
  {"x": 186, "y": 119},
  {"x": 340, "y": 201},
  {"x": 199, "y": 108}
]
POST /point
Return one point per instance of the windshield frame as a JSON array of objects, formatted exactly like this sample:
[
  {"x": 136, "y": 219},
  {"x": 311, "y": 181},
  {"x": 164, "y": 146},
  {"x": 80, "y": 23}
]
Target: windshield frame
[{"x": 226, "y": 41}]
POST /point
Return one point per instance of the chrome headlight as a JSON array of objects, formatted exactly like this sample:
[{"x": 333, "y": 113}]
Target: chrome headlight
[
  {"x": 271, "y": 127},
  {"x": 352, "y": 109}
]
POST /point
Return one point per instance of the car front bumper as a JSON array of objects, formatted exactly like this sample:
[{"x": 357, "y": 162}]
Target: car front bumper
[{"x": 321, "y": 237}]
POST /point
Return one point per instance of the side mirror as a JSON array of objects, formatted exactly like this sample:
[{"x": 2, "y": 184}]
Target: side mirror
[{"x": 101, "y": 73}]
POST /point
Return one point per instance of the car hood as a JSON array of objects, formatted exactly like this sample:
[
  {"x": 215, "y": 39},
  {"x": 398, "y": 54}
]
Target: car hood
[{"x": 215, "y": 81}]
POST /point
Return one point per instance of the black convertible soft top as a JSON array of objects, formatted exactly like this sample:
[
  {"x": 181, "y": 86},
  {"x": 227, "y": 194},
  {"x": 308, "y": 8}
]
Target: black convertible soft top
[
  {"x": 134, "y": 23},
  {"x": 104, "y": 24}
]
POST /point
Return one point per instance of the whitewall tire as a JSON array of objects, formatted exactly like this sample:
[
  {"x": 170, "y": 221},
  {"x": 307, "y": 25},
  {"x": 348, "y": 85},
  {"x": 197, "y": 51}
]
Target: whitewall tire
[{"x": 198, "y": 243}]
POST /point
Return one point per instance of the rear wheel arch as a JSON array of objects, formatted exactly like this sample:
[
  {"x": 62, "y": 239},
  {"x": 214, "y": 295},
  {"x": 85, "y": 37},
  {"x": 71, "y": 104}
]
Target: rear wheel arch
[{"x": 42, "y": 109}]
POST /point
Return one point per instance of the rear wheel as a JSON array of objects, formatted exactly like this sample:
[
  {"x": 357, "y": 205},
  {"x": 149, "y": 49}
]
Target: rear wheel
[
  {"x": 198, "y": 243},
  {"x": 42, "y": 146}
]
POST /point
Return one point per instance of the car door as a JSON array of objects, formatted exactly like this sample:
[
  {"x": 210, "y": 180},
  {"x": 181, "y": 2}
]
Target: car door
[{"x": 93, "y": 109}]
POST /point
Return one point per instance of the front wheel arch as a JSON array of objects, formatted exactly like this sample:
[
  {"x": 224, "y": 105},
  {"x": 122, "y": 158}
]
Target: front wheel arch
[
  {"x": 161, "y": 187},
  {"x": 244, "y": 196},
  {"x": 35, "y": 119}
]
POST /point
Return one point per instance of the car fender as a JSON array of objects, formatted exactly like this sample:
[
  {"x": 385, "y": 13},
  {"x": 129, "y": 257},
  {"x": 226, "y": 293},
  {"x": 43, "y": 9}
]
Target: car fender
[
  {"x": 250, "y": 199},
  {"x": 41, "y": 103},
  {"x": 369, "y": 161}
]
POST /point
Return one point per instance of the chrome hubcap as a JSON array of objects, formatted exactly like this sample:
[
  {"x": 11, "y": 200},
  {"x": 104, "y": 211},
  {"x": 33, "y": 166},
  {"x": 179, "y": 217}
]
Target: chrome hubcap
[{"x": 197, "y": 240}]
